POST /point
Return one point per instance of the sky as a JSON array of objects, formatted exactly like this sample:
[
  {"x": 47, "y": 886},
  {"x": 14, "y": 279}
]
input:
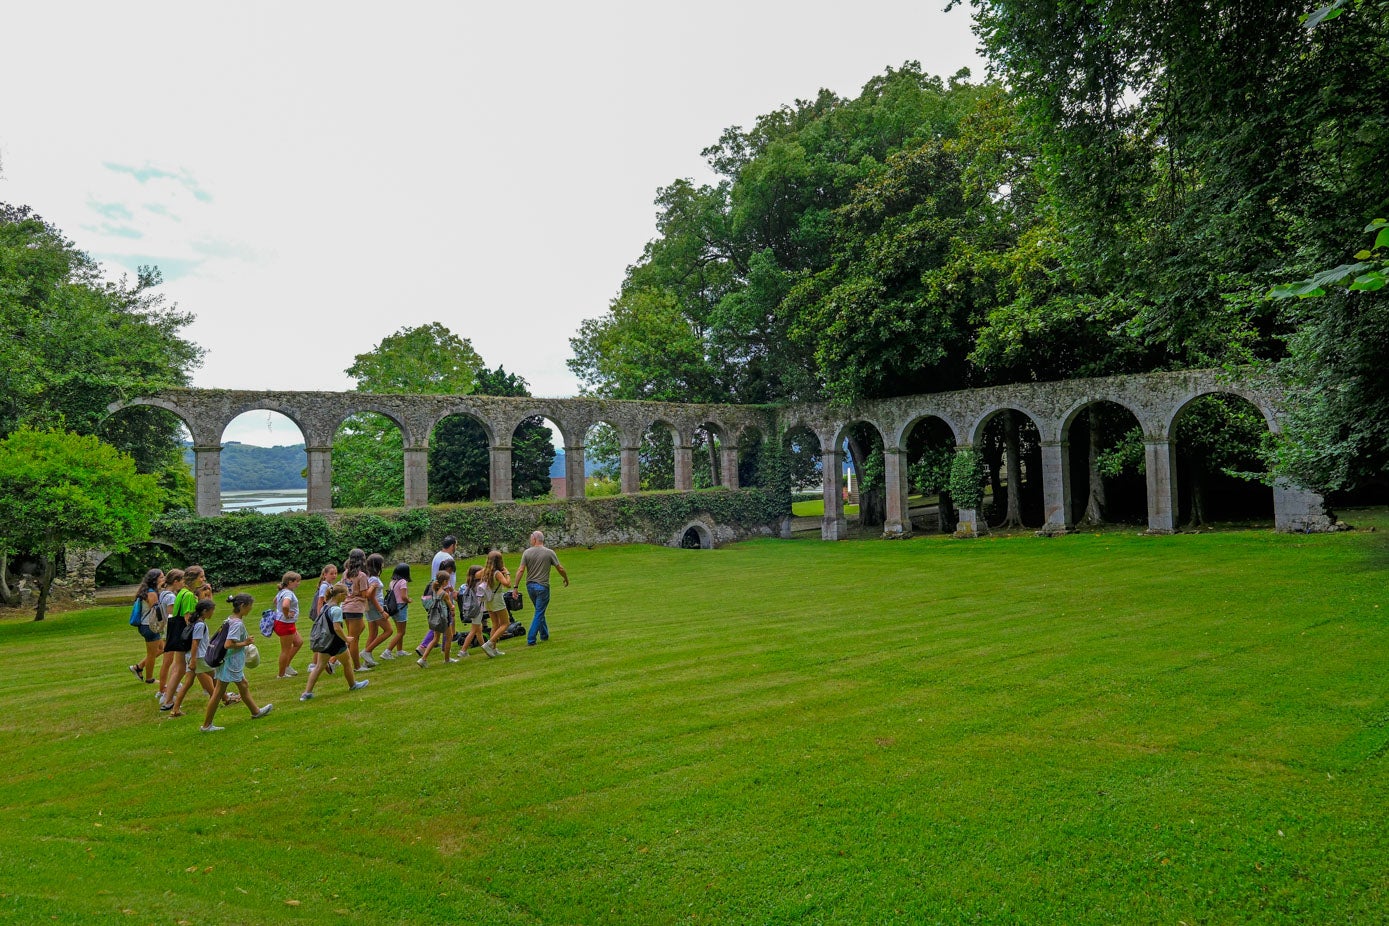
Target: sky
[{"x": 311, "y": 177}]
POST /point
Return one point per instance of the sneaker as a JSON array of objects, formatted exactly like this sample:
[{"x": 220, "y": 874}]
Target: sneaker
[
  {"x": 360, "y": 685},
  {"x": 207, "y": 729},
  {"x": 332, "y": 667},
  {"x": 165, "y": 707},
  {"x": 306, "y": 696},
  {"x": 462, "y": 653},
  {"x": 286, "y": 675},
  {"x": 262, "y": 712},
  {"x": 362, "y": 668},
  {"x": 489, "y": 649},
  {"x": 139, "y": 671},
  {"x": 498, "y": 652},
  {"x": 388, "y": 654},
  {"x": 530, "y": 642},
  {"x": 291, "y": 671},
  {"x": 368, "y": 660},
  {"x": 451, "y": 661},
  {"x": 421, "y": 663}
]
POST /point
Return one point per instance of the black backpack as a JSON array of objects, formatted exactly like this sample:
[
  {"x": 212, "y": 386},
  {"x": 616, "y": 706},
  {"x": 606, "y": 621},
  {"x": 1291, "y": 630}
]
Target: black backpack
[
  {"x": 217, "y": 646},
  {"x": 392, "y": 606}
]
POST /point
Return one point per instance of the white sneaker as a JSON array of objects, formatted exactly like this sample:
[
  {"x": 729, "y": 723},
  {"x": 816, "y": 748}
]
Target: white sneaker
[
  {"x": 368, "y": 661},
  {"x": 291, "y": 671},
  {"x": 489, "y": 649},
  {"x": 421, "y": 663},
  {"x": 262, "y": 712},
  {"x": 306, "y": 696},
  {"x": 451, "y": 661},
  {"x": 212, "y": 729},
  {"x": 462, "y": 653},
  {"x": 360, "y": 685},
  {"x": 388, "y": 654}
]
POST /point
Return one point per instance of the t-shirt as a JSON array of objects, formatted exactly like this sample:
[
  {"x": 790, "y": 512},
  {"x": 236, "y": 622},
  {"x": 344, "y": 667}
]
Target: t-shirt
[
  {"x": 184, "y": 602},
  {"x": 293, "y": 599},
  {"x": 167, "y": 599},
  {"x": 374, "y": 600},
  {"x": 200, "y": 637},
  {"x": 537, "y": 562},
  {"x": 358, "y": 590},
  {"x": 434, "y": 565},
  {"x": 335, "y": 613},
  {"x": 402, "y": 591},
  {"x": 233, "y": 668}
]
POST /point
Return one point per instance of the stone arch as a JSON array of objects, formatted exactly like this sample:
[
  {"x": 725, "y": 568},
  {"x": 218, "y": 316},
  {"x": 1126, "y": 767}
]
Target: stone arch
[
  {"x": 1203, "y": 492},
  {"x": 1115, "y": 428},
  {"x": 693, "y": 536},
  {"x": 1123, "y": 401},
  {"x": 981, "y": 421},
  {"x": 336, "y": 420},
  {"x": 562, "y": 424},
  {"x": 1254, "y": 398},
  {"x": 710, "y": 445},
  {"x": 1025, "y": 479},
  {"x": 467, "y": 410},
  {"x": 932, "y": 438},
  {"x": 461, "y": 456},
  {"x": 297, "y": 416},
  {"x": 288, "y": 472},
  {"x": 530, "y": 450},
  {"x": 190, "y": 420},
  {"x": 103, "y": 558}
]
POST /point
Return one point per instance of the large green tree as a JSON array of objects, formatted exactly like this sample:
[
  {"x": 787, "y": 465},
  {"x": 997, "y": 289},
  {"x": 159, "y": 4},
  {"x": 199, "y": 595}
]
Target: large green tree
[
  {"x": 460, "y": 458},
  {"x": 59, "y": 489}
]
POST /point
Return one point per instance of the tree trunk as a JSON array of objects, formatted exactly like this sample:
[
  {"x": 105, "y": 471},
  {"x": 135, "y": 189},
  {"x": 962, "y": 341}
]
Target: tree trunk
[
  {"x": 8, "y": 597},
  {"x": 872, "y": 500},
  {"x": 1192, "y": 475},
  {"x": 1010, "y": 452},
  {"x": 1094, "y": 506},
  {"x": 946, "y": 512},
  {"x": 993, "y": 460},
  {"x": 713, "y": 461},
  {"x": 49, "y": 570}
]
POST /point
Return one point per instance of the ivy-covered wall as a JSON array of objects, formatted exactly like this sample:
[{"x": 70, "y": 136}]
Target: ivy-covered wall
[{"x": 253, "y": 547}]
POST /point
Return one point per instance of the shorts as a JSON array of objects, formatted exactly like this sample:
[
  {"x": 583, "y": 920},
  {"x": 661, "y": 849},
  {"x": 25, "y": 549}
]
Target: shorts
[
  {"x": 202, "y": 666},
  {"x": 352, "y": 617},
  {"x": 338, "y": 645},
  {"x": 401, "y": 615},
  {"x": 149, "y": 635},
  {"x": 478, "y": 618},
  {"x": 282, "y": 629}
]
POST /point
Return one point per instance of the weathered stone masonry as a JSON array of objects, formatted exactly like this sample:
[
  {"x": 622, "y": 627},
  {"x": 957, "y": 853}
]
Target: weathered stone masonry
[{"x": 1155, "y": 399}]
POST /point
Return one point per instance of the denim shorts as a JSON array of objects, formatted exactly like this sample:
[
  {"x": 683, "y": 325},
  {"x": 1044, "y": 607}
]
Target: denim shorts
[
  {"x": 149, "y": 635},
  {"x": 402, "y": 614}
]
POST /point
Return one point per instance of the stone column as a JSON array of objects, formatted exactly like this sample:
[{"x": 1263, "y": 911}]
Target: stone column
[
  {"x": 416, "y": 477},
  {"x": 574, "y": 472},
  {"x": 500, "y": 481},
  {"x": 631, "y": 470},
  {"x": 684, "y": 466},
  {"x": 209, "y": 479},
  {"x": 898, "y": 522},
  {"x": 1056, "y": 487},
  {"x": 1299, "y": 510},
  {"x": 320, "y": 478},
  {"x": 1160, "y": 457},
  {"x": 728, "y": 463},
  {"x": 834, "y": 526}
]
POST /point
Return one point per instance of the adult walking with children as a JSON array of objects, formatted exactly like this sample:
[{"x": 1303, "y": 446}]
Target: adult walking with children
[{"x": 536, "y": 563}]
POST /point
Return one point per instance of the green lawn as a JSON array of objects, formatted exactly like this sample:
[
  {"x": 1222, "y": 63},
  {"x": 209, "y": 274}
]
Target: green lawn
[{"x": 1100, "y": 728}]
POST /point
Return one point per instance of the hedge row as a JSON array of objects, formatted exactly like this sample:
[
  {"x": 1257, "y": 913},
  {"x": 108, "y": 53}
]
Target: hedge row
[{"x": 253, "y": 547}]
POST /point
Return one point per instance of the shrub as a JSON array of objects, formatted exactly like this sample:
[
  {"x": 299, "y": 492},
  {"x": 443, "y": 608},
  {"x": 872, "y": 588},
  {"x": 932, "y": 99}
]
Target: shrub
[{"x": 967, "y": 479}]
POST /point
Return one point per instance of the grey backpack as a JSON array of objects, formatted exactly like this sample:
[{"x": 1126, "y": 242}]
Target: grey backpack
[{"x": 321, "y": 634}]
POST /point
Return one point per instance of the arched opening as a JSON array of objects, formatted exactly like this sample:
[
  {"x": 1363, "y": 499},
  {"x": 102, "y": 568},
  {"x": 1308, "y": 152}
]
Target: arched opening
[
  {"x": 129, "y": 567},
  {"x": 752, "y": 458},
  {"x": 263, "y": 463},
  {"x": 1108, "y": 472},
  {"x": 657, "y": 456},
  {"x": 865, "y": 489},
  {"x": 460, "y": 460},
  {"x": 1012, "y": 450},
  {"x": 537, "y": 465},
  {"x": 602, "y": 461},
  {"x": 696, "y": 537},
  {"x": 368, "y": 463},
  {"x": 1220, "y": 441},
  {"x": 161, "y": 444},
  {"x": 930, "y": 447},
  {"x": 801, "y": 446},
  {"x": 707, "y": 464}
]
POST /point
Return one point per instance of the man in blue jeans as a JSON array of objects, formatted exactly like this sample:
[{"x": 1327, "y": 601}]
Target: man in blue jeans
[{"x": 535, "y": 569}]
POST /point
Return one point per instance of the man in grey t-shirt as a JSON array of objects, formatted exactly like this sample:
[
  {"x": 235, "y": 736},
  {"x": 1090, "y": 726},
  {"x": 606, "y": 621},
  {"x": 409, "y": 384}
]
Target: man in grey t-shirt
[{"x": 536, "y": 563}]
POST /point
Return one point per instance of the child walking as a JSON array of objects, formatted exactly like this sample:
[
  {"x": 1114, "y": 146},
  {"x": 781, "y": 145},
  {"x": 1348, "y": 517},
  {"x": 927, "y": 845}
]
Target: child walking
[
  {"x": 495, "y": 581},
  {"x": 438, "y": 609},
  {"x": 232, "y": 671},
  {"x": 286, "y": 623},
  {"x": 196, "y": 659},
  {"x": 470, "y": 608},
  {"x": 324, "y": 649},
  {"x": 400, "y": 588},
  {"x": 378, "y": 621}
]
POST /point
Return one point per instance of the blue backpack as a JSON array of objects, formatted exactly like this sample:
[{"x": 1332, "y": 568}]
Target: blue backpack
[{"x": 137, "y": 612}]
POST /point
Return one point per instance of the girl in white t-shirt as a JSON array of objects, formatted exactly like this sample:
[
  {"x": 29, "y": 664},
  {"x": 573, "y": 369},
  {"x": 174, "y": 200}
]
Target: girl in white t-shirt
[
  {"x": 377, "y": 620},
  {"x": 287, "y": 621},
  {"x": 194, "y": 658}
]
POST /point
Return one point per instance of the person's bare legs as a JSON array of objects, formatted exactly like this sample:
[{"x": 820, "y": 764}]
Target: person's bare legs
[
  {"x": 354, "y": 632},
  {"x": 214, "y": 702},
  {"x": 289, "y": 648},
  {"x": 398, "y": 641},
  {"x": 245, "y": 690}
]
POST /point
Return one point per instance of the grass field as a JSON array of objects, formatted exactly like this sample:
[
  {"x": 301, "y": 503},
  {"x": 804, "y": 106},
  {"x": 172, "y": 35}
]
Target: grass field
[{"x": 1100, "y": 728}]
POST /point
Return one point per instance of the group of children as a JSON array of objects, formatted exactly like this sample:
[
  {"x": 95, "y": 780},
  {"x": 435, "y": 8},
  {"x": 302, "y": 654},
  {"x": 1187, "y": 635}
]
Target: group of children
[{"x": 171, "y": 612}]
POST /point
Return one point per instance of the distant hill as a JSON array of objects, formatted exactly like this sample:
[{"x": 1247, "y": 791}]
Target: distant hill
[
  {"x": 246, "y": 467},
  {"x": 557, "y": 468}
]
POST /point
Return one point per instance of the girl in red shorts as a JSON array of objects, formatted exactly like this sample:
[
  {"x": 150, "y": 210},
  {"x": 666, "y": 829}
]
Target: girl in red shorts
[{"x": 287, "y": 603}]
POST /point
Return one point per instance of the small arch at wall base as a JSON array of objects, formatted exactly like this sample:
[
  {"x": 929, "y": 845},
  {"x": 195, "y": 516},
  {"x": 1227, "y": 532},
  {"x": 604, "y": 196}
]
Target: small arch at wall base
[{"x": 695, "y": 535}]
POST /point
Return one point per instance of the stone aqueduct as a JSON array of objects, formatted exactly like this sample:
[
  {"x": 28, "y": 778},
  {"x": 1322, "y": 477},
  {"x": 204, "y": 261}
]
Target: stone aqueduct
[{"x": 1155, "y": 399}]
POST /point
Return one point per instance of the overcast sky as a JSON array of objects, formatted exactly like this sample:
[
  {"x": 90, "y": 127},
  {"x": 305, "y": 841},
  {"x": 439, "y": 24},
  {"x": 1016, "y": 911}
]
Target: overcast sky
[{"x": 311, "y": 177}]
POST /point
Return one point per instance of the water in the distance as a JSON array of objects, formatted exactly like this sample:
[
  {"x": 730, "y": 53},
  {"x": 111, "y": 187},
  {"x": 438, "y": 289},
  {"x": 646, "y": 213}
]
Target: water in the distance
[{"x": 269, "y": 501}]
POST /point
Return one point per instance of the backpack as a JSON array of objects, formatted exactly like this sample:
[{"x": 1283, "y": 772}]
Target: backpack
[
  {"x": 321, "y": 634},
  {"x": 392, "y": 606},
  {"x": 436, "y": 613},
  {"x": 137, "y": 612},
  {"x": 267, "y": 621},
  {"x": 469, "y": 604},
  {"x": 217, "y": 646}
]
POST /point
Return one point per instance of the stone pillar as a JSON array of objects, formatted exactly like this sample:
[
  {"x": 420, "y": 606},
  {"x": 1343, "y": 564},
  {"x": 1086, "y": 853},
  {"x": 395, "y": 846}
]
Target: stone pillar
[
  {"x": 208, "y": 474},
  {"x": 1299, "y": 510},
  {"x": 834, "y": 527},
  {"x": 898, "y": 522},
  {"x": 684, "y": 466},
  {"x": 416, "y": 477},
  {"x": 1160, "y": 457},
  {"x": 320, "y": 478},
  {"x": 500, "y": 481},
  {"x": 1056, "y": 488},
  {"x": 631, "y": 470},
  {"x": 728, "y": 464},
  {"x": 574, "y": 472}
]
